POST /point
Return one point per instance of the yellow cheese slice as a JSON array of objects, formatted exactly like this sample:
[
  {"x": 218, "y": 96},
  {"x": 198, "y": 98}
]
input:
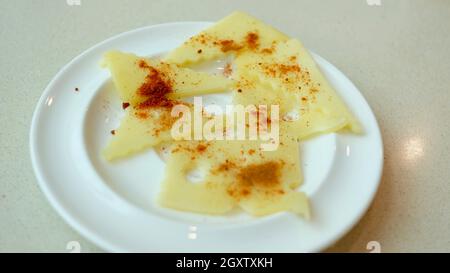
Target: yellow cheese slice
[
  {"x": 293, "y": 75},
  {"x": 235, "y": 33}
]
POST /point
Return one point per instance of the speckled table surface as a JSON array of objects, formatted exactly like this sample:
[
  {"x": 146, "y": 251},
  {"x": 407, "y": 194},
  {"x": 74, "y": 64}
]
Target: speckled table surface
[{"x": 397, "y": 53}]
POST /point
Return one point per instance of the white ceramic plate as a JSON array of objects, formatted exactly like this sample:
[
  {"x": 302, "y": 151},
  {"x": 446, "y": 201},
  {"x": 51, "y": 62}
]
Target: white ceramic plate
[{"x": 113, "y": 204}]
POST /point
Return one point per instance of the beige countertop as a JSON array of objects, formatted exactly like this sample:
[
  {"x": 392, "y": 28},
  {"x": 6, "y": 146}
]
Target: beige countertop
[{"x": 397, "y": 53}]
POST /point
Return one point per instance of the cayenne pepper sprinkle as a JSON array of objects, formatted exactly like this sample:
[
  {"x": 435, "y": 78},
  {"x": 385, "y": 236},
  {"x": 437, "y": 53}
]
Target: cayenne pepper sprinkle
[
  {"x": 154, "y": 89},
  {"x": 267, "y": 51},
  {"x": 141, "y": 115},
  {"x": 252, "y": 40}
]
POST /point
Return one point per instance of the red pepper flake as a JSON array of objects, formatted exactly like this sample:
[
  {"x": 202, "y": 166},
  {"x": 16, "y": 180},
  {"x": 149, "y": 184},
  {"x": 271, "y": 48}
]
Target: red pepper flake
[
  {"x": 154, "y": 89},
  {"x": 113, "y": 132},
  {"x": 125, "y": 105}
]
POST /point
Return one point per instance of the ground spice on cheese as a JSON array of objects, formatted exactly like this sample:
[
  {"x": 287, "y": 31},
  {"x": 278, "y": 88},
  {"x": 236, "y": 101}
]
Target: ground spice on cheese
[
  {"x": 155, "y": 88},
  {"x": 265, "y": 176},
  {"x": 141, "y": 114},
  {"x": 201, "y": 148},
  {"x": 227, "y": 70},
  {"x": 226, "y": 166},
  {"x": 267, "y": 50},
  {"x": 229, "y": 45}
]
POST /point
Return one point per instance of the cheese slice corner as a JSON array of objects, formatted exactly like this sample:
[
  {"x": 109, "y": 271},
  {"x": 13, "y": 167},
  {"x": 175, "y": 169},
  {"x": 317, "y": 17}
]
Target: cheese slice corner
[{"x": 233, "y": 34}]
